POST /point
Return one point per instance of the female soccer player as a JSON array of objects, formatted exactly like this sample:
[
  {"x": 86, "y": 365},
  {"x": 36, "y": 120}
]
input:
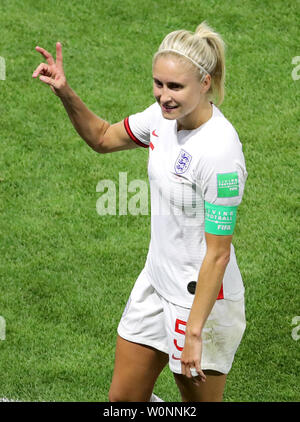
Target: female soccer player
[{"x": 187, "y": 305}]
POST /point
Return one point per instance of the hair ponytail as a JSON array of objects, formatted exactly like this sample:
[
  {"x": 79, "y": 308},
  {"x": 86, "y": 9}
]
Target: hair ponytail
[
  {"x": 205, "y": 49},
  {"x": 213, "y": 55}
]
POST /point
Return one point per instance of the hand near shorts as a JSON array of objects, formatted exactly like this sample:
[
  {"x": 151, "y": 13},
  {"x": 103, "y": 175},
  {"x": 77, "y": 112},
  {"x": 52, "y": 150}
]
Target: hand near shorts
[{"x": 191, "y": 357}]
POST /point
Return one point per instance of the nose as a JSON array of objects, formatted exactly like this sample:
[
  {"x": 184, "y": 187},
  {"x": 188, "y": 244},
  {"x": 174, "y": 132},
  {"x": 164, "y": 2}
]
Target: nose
[{"x": 165, "y": 95}]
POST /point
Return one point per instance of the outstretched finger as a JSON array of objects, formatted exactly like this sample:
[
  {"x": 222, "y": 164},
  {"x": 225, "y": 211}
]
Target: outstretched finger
[
  {"x": 46, "y": 54},
  {"x": 59, "y": 57}
]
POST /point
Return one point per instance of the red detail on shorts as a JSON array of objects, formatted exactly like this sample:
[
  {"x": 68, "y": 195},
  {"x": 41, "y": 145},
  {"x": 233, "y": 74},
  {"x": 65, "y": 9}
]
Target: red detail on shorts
[
  {"x": 221, "y": 295},
  {"x": 176, "y": 345},
  {"x": 134, "y": 138},
  {"x": 174, "y": 357},
  {"x": 151, "y": 146},
  {"x": 154, "y": 134},
  {"x": 177, "y": 323}
]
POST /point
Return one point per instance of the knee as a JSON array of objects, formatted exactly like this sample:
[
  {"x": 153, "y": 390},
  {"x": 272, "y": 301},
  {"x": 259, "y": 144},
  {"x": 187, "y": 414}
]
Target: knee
[{"x": 116, "y": 394}]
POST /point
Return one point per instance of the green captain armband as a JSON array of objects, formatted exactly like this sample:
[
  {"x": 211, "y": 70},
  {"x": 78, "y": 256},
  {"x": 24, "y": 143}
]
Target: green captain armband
[{"x": 219, "y": 219}]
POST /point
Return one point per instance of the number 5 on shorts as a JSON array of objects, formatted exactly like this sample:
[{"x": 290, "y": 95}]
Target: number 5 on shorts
[{"x": 178, "y": 330}]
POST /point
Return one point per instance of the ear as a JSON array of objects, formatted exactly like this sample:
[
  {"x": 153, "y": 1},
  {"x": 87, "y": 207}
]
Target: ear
[{"x": 205, "y": 84}]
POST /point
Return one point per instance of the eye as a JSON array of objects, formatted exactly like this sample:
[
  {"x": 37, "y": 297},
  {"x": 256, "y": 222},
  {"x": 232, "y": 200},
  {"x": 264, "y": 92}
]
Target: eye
[
  {"x": 175, "y": 86},
  {"x": 157, "y": 83}
]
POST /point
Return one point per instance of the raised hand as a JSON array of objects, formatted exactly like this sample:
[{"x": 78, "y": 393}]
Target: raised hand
[{"x": 52, "y": 72}]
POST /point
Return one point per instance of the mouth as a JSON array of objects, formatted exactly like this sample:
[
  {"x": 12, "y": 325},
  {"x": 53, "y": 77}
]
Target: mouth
[{"x": 168, "y": 108}]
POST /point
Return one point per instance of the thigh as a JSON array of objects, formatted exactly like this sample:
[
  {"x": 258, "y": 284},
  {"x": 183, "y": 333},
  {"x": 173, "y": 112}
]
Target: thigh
[
  {"x": 193, "y": 390},
  {"x": 136, "y": 369}
]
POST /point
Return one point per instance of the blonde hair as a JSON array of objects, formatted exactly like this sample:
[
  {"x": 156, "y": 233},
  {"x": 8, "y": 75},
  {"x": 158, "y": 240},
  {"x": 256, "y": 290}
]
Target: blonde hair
[{"x": 205, "y": 50}]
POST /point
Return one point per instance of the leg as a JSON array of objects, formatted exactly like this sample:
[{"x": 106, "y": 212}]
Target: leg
[
  {"x": 136, "y": 370},
  {"x": 209, "y": 391}
]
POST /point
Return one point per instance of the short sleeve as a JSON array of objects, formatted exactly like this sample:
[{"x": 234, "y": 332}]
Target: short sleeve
[
  {"x": 138, "y": 126},
  {"x": 222, "y": 176},
  {"x": 222, "y": 173}
]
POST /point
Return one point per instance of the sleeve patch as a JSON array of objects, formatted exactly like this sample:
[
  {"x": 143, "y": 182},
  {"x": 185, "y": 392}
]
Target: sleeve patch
[
  {"x": 220, "y": 219},
  {"x": 228, "y": 185}
]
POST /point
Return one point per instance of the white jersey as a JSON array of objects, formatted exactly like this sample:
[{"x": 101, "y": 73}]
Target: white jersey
[{"x": 197, "y": 180}]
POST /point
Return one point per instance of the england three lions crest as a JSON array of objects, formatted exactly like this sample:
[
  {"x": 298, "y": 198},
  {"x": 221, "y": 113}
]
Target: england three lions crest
[{"x": 183, "y": 162}]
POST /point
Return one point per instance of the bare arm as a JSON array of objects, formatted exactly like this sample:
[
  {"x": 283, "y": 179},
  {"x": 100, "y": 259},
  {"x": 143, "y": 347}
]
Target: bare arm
[
  {"x": 97, "y": 133},
  {"x": 208, "y": 286}
]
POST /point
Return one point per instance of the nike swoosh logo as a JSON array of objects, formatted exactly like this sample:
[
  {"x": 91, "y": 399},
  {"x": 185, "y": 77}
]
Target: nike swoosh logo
[
  {"x": 175, "y": 358},
  {"x": 154, "y": 134}
]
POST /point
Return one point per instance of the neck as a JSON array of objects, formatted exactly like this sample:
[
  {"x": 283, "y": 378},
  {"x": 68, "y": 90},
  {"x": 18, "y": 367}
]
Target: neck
[{"x": 197, "y": 118}]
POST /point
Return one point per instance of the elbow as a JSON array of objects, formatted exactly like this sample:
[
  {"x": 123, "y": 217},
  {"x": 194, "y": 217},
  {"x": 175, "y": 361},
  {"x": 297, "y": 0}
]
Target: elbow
[
  {"x": 102, "y": 141},
  {"x": 99, "y": 148},
  {"x": 220, "y": 259},
  {"x": 223, "y": 260},
  {"x": 218, "y": 249}
]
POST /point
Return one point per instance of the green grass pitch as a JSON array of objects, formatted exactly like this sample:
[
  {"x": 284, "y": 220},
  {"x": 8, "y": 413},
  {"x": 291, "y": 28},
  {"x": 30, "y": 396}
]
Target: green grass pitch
[{"x": 66, "y": 271}]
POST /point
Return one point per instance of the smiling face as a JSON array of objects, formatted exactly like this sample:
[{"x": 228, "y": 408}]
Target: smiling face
[{"x": 180, "y": 92}]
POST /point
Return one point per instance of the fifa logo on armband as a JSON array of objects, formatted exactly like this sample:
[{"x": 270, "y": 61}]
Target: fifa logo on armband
[
  {"x": 2, "y": 328},
  {"x": 2, "y": 69}
]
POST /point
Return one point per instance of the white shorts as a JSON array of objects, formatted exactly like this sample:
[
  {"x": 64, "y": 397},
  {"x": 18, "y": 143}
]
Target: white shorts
[{"x": 151, "y": 320}]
